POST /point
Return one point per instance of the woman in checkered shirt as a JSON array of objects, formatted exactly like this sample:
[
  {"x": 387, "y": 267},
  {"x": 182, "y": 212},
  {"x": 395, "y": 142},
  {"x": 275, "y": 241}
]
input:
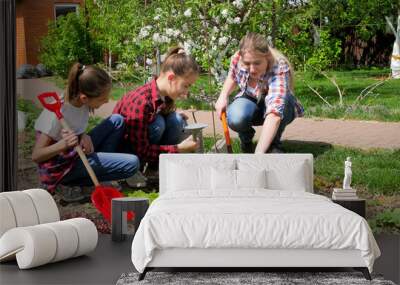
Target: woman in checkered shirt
[
  {"x": 265, "y": 79},
  {"x": 152, "y": 125}
]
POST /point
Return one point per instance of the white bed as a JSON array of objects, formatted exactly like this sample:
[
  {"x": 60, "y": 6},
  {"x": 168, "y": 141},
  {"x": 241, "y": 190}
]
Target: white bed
[{"x": 220, "y": 211}]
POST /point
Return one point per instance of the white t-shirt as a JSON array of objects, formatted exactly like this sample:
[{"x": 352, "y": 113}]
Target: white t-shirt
[{"x": 76, "y": 118}]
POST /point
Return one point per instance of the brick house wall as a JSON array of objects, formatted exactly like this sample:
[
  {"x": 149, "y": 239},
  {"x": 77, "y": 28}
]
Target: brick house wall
[{"x": 31, "y": 26}]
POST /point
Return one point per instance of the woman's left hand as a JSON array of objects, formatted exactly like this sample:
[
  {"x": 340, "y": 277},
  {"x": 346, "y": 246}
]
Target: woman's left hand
[
  {"x": 184, "y": 116},
  {"x": 86, "y": 144}
]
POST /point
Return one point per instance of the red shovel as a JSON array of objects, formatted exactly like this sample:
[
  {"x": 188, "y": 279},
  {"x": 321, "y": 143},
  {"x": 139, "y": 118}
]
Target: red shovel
[
  {"x": 226, "y": 132},
  {"x": 102, "y": 195}
]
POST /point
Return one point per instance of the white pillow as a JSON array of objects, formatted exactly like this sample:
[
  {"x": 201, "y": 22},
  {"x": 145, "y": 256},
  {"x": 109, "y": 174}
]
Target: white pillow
[
  {"x": 291, "y": 179},
  {"x": 189, "y": 176},
  {"x": 282, "y": 174},
  {"x": 223, "y": 179},
  {"x": 227, "y": 179},
  {"x": 251, "y": 178}
]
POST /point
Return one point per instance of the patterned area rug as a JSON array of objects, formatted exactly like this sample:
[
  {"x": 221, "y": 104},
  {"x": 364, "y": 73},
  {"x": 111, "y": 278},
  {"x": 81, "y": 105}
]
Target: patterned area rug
[{"x": 243, "y": 278}]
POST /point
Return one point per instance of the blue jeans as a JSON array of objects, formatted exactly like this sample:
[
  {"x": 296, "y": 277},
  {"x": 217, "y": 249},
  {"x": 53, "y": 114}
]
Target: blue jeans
[
  {"x": 106, "y": 163},
  {"x": 167, "y": 130},
  {"x": 244, "y": 113}
]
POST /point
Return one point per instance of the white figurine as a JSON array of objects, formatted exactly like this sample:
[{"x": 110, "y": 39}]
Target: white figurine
[{"x": 347, "y": 174}]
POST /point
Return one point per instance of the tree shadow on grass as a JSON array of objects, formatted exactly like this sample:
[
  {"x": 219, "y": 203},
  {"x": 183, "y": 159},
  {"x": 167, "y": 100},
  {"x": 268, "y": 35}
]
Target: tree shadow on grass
[{"x": 316, "y": 148}]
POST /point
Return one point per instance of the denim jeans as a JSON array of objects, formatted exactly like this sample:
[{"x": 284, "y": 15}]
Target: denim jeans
[
  {"x": 167, "y": 130},
  {"x": 106, "y": 163},
  {"x": 244, "y": 113}
]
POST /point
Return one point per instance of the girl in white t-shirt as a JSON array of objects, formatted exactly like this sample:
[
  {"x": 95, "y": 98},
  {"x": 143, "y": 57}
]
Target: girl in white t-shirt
[{"x": 88, "y": 88}]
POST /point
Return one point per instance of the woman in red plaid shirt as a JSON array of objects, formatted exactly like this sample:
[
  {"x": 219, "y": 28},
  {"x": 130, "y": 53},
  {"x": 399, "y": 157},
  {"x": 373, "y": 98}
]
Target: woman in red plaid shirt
[
  {"x": 265, "y": 79},
  {"x": 152, "y": 125}
]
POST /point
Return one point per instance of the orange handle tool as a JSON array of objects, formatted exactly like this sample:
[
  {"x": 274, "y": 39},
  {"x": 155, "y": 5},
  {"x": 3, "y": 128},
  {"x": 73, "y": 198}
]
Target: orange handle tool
[{"x": 226, "y": 132}]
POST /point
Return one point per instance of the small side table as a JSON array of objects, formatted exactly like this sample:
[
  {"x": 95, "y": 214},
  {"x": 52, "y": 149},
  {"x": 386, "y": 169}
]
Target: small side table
[
  {"x": 355, "y": 205},
  {"x": 119, "y": 208}
]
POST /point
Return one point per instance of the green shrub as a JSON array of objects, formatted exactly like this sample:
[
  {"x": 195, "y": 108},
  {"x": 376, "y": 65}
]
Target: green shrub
[
  {"x": 32, "y": 112},
  {"x": 386, "y": 221},
  {"x": 327, "y": 53},
  {"x": 68, "y": 41}
]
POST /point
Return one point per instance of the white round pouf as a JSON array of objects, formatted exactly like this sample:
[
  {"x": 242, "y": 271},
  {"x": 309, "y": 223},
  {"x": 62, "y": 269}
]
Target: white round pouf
[
  {"x": 46, "y": 207},
  {"x": 23, "y": 208},
  {"x": 7, "y": 216}
]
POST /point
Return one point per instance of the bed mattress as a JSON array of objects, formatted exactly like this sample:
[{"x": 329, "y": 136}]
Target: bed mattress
[{"x": 250, "y": 219}]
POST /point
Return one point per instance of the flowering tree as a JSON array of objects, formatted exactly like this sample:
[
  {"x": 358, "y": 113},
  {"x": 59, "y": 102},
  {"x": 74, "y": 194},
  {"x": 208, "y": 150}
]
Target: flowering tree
[{"x": 209, "y": 31}]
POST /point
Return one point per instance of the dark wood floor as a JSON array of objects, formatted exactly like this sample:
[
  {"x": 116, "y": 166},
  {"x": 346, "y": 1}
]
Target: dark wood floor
[
  {"x": 110, "y": 259},
  {"x": 102, "y": 266}
]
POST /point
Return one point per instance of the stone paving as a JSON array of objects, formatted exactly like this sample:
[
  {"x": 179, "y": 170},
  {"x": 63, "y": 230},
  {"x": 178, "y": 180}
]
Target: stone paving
[{"x": 350, "y": 133}]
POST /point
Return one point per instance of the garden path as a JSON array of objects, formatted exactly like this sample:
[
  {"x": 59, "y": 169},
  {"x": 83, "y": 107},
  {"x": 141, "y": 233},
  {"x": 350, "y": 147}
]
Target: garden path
[{"x": 350, "y": 133}]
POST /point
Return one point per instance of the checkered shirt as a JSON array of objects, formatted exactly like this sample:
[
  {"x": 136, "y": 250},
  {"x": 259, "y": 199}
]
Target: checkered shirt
[
  {"x": 274, "y": 84},
  {"x": 139, "y": 108}
]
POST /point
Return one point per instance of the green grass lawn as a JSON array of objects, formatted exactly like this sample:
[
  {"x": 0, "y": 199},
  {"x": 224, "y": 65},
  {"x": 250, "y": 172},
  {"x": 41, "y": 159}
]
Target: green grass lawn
[{"x": 382, "y": 104}]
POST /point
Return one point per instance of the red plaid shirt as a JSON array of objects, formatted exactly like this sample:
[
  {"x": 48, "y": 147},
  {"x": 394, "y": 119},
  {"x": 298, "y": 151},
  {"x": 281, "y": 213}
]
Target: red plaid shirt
[
  {"x": 139, "y": 108},
  {"x": 54, "y": 169}
]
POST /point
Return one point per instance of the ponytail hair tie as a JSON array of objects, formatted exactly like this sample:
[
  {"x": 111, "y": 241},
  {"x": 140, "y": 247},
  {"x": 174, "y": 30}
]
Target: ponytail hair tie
[
  {"x": 83, "y": 67},
  {"x": 181, "y": 51}
]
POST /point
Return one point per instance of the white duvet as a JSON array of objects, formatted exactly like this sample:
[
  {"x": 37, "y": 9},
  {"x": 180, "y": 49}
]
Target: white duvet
[{"x": 250, "y": 219}]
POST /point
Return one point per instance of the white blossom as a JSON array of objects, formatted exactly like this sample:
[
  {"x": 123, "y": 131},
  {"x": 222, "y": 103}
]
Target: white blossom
[
  {"x": 169, "y": 32},
  {"x": 144, "y": 32},
  {"x": 187, "y": 47},
  {"x": 185, "y": 27},
  {"x": 188, "y": 13},
  {"x": 121, "y": 66},
  {"x": 238, "y": 4},
  {"x": 157, "y": 38},
  {"x": 158, "y": 10},
  {"x": 165, "y": 39},
  {"x": 237, "y": 20},
  {"x": 224, "y": 13},
  {"x": 176, "y": 33},
  {"x": 157, "y": 17},
  {"x": 215, "y": 30},
  {"x": 223, "y": 41},
  {"x": 269, "y": 39},
  {"x": 149, "y": 61}
]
